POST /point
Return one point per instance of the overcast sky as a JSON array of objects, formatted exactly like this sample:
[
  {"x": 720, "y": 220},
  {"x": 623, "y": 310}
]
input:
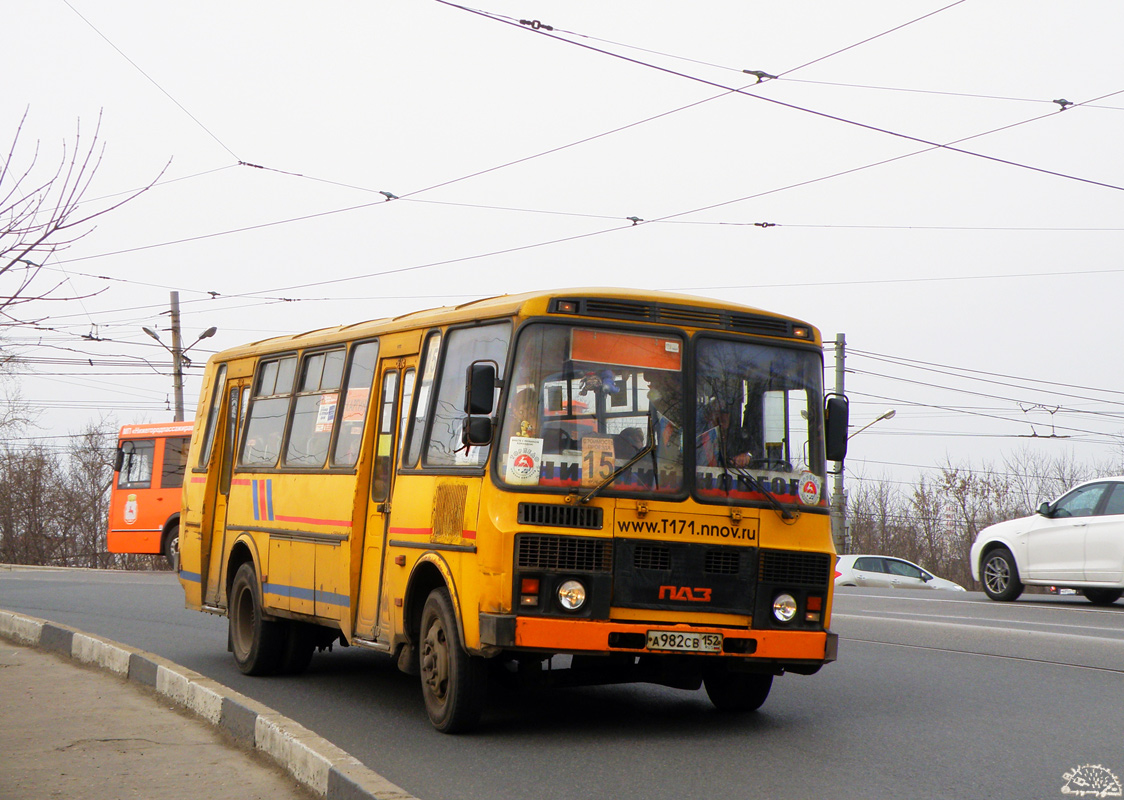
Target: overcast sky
[{"x": 978, "y": 284}]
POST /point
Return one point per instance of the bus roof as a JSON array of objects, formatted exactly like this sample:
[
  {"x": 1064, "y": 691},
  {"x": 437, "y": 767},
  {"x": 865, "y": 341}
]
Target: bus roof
[
  {"x": 527, "y": 303},
  {"x": 152, "y": 429}
]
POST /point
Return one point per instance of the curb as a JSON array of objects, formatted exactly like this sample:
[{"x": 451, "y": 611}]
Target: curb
[{"x": 312, "y": 761}]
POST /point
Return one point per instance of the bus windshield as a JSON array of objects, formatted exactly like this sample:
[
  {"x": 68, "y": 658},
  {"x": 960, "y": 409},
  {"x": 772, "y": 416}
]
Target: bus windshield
[{"x": 583, "y": 402}]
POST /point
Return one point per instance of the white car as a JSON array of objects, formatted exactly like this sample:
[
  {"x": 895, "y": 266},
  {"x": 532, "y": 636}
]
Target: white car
[
  {"x": 887, "y": 572},
  {"x": 1077, "y": 541}
]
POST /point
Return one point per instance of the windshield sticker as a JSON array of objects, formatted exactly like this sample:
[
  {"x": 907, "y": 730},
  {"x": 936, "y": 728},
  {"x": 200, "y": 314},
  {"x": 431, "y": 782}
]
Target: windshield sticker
[
  {"x": 809, "y": 489},
  {"x": 524, "y": 461},
  {"x": 598, "y": 459}
]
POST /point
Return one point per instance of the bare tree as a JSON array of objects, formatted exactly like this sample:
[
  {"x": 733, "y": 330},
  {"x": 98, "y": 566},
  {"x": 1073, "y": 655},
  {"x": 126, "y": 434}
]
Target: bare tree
[{"x": 43, "y": 212}]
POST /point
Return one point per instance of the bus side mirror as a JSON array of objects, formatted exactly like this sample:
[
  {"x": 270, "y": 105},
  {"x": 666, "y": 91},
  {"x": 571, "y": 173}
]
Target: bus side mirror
[
  {"x": 836, "y": 412},
  {"x": 477, "y": 432},
  {"x": 118, "y": 460},
  {"x": 480, "y": 388}
]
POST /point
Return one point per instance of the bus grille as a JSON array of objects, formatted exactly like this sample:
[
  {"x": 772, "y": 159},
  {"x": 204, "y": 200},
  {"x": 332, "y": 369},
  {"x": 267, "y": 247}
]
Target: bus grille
[
  {"x": 560, "y": 516},
  {"x": 681, "y": 315},
  {"x": 722, "y": 562},
  {"x": 795, "y": 569},
  {"x": 563, "y": 553},
  {"x": 651, "y": 556}
]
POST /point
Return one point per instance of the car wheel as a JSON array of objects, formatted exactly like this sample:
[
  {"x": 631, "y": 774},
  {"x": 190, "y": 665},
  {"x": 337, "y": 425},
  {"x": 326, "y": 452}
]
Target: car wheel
[
  {"x": 257, "y": 643},
  {"x": 452, "y": 681},
  {"x": 1102, "y": 597},
  {"x": 737, "y": 691},
  {"x": 1000, "y": 575}
]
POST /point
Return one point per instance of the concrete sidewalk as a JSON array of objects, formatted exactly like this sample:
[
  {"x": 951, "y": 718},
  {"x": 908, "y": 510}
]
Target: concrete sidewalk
[{"x": 85, "y": 718}]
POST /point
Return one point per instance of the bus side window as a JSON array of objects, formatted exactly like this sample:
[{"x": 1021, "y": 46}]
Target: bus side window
[
  {"x": 317, "y": 400},
  {"x": 212, "y": 417},
  {"x": 463, "y": 347},
  {"x": 356, "y": 398},
  {"x": 269, "y": 409},
  {"x": 429, "y": 373},
  {"x": 175, "y": 462},
  {"x": 407, "y": 399},
  {"x": 136, "y": 466},
  {"x": 384, "y": 439}
]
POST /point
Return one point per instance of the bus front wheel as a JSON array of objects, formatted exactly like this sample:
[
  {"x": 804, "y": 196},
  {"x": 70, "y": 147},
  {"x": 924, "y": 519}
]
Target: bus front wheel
[
  {"x": 257, "y": 642},
  {"x": 452, "y": 680},
  {"x": 737, "y": 691}
]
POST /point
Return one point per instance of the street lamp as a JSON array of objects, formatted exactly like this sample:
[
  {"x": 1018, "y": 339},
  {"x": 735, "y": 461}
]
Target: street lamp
[
  {"x": 177, "y": 351},
  {"x": 888, "y": 414},
  {"x": 839, "y": 498}
]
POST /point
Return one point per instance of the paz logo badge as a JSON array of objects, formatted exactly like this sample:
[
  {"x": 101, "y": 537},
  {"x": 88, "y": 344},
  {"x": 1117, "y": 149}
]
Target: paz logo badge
[{"x": 1092, "y": 781}]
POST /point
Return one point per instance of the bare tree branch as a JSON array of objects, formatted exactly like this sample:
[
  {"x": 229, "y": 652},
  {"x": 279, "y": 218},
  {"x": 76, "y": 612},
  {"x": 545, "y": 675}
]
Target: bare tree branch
[{"x": 40, "y": 218}]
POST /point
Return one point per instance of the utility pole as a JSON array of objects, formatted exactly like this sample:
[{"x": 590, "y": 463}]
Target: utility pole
[
  {"x": 178, "y": 350},
  {"x": 838, "y": 495},
  {"x": 177, "y": 357}
]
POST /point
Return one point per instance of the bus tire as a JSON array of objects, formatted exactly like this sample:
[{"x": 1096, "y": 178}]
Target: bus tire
[
  {"x": 737, "y": 691},
  {"x": 1000, "y": 575},
  {"x": 171, "y": 546},
  {"x": 452, "y": 681},
  {"x": 257, "y": 643},
  {"x": 300, "y": 644}
]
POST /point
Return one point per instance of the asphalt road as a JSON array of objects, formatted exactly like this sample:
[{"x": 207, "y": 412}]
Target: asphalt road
[{"x": 935, "y": 694}]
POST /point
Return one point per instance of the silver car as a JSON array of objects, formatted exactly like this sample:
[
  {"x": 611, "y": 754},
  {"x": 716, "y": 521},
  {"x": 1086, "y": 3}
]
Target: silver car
[{"x": 887, "y": 572}]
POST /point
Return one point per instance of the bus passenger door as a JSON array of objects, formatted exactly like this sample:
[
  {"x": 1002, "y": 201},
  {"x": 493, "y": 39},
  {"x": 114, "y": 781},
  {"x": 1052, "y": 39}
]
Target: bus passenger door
[
  {"x": 213, "y": 562},
  {"x": 396, "y": 387}
]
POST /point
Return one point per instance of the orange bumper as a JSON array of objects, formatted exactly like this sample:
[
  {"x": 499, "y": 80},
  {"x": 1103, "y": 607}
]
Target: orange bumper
[{"x": 592, "y": 636}]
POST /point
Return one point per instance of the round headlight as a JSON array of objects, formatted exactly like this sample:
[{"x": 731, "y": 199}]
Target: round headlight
[
  {"x": 784, "y": 607},
  {"x": 571, "y": 595}
]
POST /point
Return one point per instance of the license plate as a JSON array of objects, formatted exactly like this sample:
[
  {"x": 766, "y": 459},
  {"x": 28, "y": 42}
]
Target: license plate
[{"x": 685, "y": 642}]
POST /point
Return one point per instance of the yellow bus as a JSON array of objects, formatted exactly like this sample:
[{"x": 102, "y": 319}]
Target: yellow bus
[{"x": 629, "y": 485}]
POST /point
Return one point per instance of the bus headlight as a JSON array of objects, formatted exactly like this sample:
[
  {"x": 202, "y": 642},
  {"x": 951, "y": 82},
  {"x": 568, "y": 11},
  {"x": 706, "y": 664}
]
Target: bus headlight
[
  {"x": 784, "y": 607},
  {"x": 571, "y": 595}
]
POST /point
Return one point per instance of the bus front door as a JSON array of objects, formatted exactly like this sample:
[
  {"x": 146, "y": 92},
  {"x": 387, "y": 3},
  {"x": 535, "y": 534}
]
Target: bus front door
[
  {"x": 214, "y": 561},
  {"x": 396, "y": 390}
]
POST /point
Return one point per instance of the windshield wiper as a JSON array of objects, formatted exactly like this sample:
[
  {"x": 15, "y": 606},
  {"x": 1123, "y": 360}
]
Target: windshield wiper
[
  {"x": 758, "y": 486},
  {"x": 650, "y": 447}
]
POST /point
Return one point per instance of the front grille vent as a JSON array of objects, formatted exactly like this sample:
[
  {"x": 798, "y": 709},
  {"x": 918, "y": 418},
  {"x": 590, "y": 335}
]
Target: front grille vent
[
  {"x": 795, "y": 569},
  {"x": 650, "y": 556},
  {"x": 556, "y": 516},
  {"x": 673, "y": 314},
  {"x": 563, "y": 553},
  {"x": 722, "y": 562}
]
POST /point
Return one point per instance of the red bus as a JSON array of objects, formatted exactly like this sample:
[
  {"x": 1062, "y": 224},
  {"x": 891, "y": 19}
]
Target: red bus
[{"x": 144, "y": 503}]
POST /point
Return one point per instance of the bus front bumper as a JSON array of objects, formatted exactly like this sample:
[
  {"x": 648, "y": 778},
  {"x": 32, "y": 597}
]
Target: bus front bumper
[{"x": 553, "y": 635}]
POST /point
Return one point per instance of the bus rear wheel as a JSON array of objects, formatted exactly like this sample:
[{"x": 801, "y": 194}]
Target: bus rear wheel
[
  {"x": 452, "y": 681},
  {"x": 171, "y": 548},
  {"x": 257, "y": 642},
  {"x": 737, "y": 691}
]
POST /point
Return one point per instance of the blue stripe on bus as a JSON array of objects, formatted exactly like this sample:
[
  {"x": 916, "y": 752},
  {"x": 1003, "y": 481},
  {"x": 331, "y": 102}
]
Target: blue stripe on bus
[
  {"x": 310, "y": 595},
  {"x": 191, "y": 577}
]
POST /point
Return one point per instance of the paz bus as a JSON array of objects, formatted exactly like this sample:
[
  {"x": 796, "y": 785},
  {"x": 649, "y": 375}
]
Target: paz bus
[
  {"x": 144, "y": 500},
  {"x": 631, "y": 485}
]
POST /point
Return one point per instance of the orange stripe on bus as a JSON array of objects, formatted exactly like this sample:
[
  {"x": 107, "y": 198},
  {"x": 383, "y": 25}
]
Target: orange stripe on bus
[
  {"x": 338, "y": 523},
  {"x": 427, "y": 532}
]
